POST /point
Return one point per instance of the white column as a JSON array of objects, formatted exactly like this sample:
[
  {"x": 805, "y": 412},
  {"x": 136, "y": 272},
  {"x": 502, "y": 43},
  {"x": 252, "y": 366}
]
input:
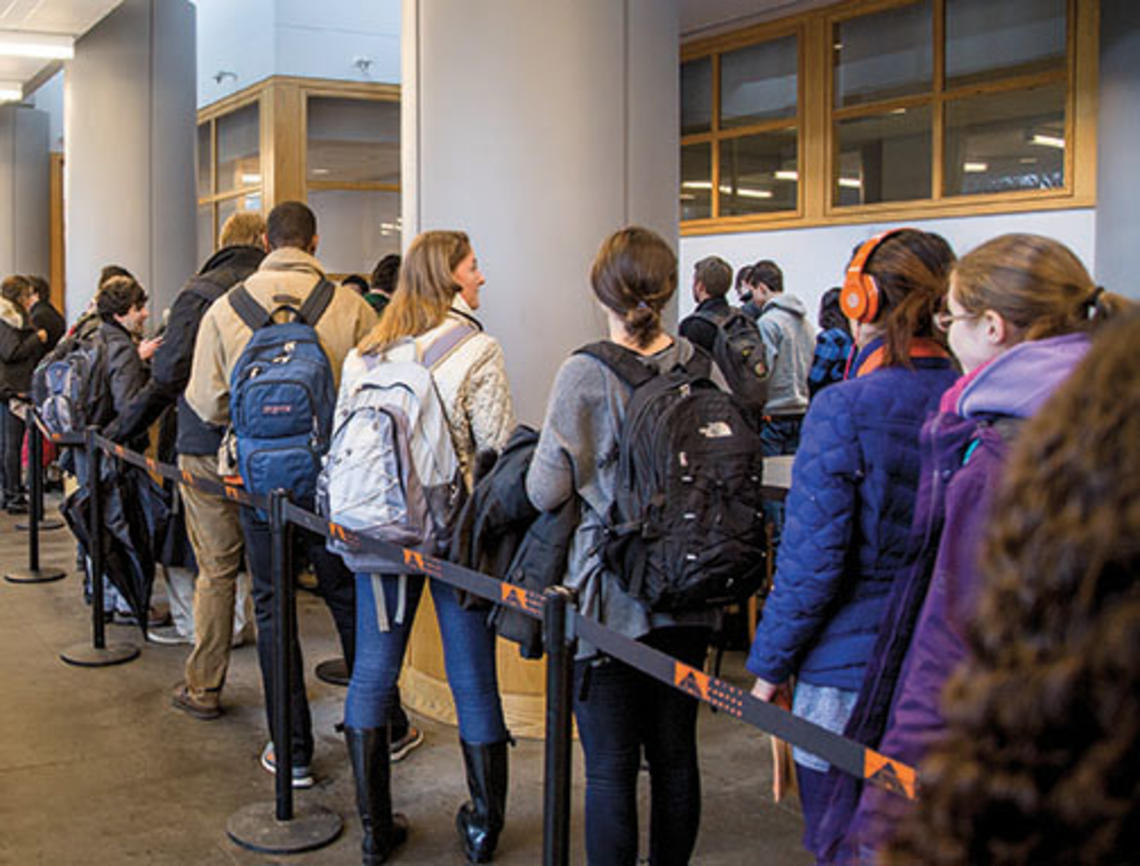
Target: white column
[
  {"x": 129, "y": 129},
  {"x": 539, "y": 128},
  {"x": 24, "y": 191}
]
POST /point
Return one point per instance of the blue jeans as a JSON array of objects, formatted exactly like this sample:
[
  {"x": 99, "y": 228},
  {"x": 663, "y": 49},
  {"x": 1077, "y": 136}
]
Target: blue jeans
[
  {"x": 779, "y": 436},
  {"x": 620, "y": 712},
  {"x": 468, "y": 654}
]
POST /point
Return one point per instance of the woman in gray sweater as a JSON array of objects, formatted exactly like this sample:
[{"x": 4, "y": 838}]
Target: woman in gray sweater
[{"x": 619, "y": 710}]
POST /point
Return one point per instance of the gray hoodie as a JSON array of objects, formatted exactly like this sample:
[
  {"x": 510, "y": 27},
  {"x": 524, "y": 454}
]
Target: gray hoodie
[{"x": 789, "y": 343}]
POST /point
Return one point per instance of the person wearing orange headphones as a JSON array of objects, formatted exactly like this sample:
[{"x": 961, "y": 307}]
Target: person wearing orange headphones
[{"x": 854, "y": 483}]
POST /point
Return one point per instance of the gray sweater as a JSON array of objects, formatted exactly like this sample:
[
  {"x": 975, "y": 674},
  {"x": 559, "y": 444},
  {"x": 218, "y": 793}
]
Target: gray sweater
[
  {"x": 578, "y": 452},
  {"x": 789, "y": 345}
]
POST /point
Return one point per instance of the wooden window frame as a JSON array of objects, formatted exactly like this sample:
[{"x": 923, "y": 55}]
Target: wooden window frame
[{"x": 816, "y": 117}]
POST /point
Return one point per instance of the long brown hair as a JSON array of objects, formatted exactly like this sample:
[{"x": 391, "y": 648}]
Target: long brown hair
[
  {"x": 424, "y": 291},
  {"x": 910, "y": 269},
  {"x": 1036, "y": 284},
  {"x": 1039, "y": 763},
  {"x": 635, "y": 275}
]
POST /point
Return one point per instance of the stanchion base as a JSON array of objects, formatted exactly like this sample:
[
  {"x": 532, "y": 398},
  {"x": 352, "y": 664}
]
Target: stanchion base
[
  {"x": 86, "y": 656},
  {"x": 333, "y": 671},
  {"x": 44, "y": 525},
  {"x": 35, "y": 575},
  {"x": 256, "y": 827}
]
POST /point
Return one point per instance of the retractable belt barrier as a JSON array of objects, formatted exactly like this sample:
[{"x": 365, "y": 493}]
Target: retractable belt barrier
[{"x": 845, "y": 754}]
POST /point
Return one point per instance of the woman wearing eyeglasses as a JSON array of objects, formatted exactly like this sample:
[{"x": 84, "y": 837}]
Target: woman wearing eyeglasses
[{"x": 1018, "y": 313}]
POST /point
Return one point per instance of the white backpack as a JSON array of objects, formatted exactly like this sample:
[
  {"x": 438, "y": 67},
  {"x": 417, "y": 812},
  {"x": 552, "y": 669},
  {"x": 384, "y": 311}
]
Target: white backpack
[{"x": 391, "y": 472}]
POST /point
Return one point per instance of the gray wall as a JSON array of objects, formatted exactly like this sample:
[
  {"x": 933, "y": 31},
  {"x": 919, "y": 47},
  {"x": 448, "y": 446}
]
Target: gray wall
[
  {"x": 25, "y": 246},
  {"x": 129, "y": 167},
  {"x": 1118, "y": 143},
  {"x": 539, "y": 128}
]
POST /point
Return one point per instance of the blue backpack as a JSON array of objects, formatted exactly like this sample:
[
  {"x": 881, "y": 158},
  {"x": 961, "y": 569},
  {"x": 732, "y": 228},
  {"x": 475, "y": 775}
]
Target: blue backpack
[{"x": 282, "y": 396}]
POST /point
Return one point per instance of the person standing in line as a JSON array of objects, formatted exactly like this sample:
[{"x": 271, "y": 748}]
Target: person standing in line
[
  {"x": 832, "y": 344},
  {"x": 854, "y": 485},
  {"x": 21, "y": 347},
  {"x": 712, "y": 278},
  {"x": 789, "y": 342},
  {"x": 382, "y": 283},
  {"x": 44, "y": 315},
  {"x": 211, "y": 609},
  {"x": 438, "y": 292},
  {"x": 621, "y": 711},
  {"x": 287, "y": 275}
]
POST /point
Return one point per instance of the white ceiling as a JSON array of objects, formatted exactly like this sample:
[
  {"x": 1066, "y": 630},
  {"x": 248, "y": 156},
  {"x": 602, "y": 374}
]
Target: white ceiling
[
  {"x": 69, "y": 17},
  {"x": 709, "y": 17}
]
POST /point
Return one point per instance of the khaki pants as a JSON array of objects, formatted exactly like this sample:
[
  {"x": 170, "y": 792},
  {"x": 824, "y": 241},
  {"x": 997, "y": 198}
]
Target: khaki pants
[{"x": 215, "y": 533}]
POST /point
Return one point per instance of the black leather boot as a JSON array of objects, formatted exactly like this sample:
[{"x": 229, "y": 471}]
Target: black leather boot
[
  {"x": 480, "y": 821},
  {"x": 382, "y": 831}
]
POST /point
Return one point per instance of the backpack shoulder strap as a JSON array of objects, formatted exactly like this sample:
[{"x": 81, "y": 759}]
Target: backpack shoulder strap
[
  {"x": 622, "y": 362},
  {"x": 249, "y": 311},
  {"x": 316, "y": 303},
  {"x": 446, "y": 343},
  {"x": 700, "y": 364}
]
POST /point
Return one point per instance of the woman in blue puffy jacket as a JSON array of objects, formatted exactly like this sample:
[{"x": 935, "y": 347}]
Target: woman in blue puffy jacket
[{"x": 853, "y": 490}]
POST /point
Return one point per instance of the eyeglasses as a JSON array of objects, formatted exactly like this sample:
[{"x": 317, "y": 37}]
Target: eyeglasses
[{"x": 944, "y": 319}]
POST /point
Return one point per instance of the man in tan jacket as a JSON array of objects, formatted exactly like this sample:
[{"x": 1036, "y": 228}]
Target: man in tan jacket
[{"x": 285, "y": 277}]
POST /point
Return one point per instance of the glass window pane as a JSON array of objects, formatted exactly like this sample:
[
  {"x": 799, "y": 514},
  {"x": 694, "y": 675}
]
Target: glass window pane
[
  {"x": 758, "y": 173},
  {"x": 696, "y": 96},
  {"x": 205, "y": 232},
  {"x": 696, "y": 181},
  {"x": 884, "y": 55},
  {"x": 884, "y": 157},
  {"x": 1001, "y": 142},
  {"x": 204, "y": 157},
  {"x": 357, "y": 228},
  {"x": 986, "y": 40},
  {"x": 353, "y": 140},
  {"x": 758, "y": 83},
  {"x": 239, "y": 145}
]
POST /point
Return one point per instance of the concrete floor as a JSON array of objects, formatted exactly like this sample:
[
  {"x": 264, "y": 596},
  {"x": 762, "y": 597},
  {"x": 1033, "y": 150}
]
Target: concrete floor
[{"x": 97, "y": 768}]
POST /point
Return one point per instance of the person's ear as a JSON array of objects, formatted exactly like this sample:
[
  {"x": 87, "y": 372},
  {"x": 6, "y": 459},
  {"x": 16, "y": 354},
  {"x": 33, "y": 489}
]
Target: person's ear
[
  {"x": 265, "y": 241},
  {"x": 995, "y": 328},
  {"x": 313, "y": 245}
]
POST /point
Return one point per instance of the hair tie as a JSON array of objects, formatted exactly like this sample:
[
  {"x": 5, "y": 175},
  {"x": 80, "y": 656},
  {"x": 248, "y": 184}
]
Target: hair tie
[
  {"x": 641, "y": 305},
  {"x": 1093, "y": 299}
]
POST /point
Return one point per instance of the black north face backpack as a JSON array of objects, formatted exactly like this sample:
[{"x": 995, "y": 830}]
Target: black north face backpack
[
  {"x": 686, "y": 531},
  {"x": 739, "y": 353}
]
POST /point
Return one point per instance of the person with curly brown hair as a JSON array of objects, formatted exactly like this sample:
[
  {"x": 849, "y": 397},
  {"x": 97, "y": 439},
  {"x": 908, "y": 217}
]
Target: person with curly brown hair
[
  {"x": 1041, "y": 761},
  {"x": 1018, "y": 314}
]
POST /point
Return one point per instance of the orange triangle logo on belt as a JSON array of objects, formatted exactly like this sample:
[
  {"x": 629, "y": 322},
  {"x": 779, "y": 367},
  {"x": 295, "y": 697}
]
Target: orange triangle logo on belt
[
  {"x": 691, "y": 680},
  {"x": 890, "y": 774}
]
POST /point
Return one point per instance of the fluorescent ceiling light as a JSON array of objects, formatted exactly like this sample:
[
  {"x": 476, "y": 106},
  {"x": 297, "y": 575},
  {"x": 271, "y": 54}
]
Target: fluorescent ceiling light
[
  {"x": 319, "y": 171},
  {"x": 754, "y": 193},
  {"x": 52, "y": 46},
  {"x": 250, "y": 177},
  {"x": 851, "y": 182},
  {"x": 975, "y": 167},
  {"x": 786, "y": 174},
  {"x": 696, "y": 184},
  {"x": 898, "y": 111},
  {"x": 1048, "y": 140},
  {"x": 11, "y": 91},
  {"x": 1028, "y": 160}
]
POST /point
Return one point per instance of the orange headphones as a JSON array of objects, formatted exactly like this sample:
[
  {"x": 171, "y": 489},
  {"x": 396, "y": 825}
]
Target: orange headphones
[{"x": 860, "y": 297}]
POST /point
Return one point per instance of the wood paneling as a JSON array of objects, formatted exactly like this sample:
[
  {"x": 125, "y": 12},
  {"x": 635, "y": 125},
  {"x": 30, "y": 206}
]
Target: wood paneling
[{"x": 58, "y": 269}]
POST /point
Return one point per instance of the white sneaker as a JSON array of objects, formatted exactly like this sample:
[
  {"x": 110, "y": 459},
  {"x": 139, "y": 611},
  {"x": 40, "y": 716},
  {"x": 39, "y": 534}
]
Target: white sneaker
[{"x": 167, "y": 635}]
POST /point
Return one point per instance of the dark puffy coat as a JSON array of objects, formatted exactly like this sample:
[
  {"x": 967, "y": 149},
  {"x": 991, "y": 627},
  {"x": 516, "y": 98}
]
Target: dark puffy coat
[
  {"x": 170, "y": 366},
  {"x": 45, "y": 316},
  {"x": 127, "y": 373},
  {"x": 848, "y": 520},
  {"x": 20, "y": 350}
]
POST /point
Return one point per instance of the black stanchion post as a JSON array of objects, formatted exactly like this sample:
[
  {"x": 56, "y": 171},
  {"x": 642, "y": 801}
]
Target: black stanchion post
[
  {"x": 278, "y": 828},
  {"x": 99, "y": 655},
  {"x": 560, "y": 643},
  {"x": 35, "y": 574}
]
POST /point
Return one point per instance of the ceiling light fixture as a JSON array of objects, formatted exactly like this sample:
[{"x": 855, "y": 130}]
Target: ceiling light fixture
[
  {"x": 52, "y": 46},
  {"x": 754, "y": 193},
  {"x": 787, "y": 174},
  {"x": 696, "y": 184},
  {"x": 1048, "y": 140},
  {"x": 11, "y": 91},
  {"x": 250, "y": 178},
  {"x": 975, "y": 167},
  {"x": 850, "y": 182}
]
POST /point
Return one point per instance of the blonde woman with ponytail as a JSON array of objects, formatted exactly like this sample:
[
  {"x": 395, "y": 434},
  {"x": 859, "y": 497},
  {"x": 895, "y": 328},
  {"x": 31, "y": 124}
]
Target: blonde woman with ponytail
[
  {"x": 435, "y": 299},
  {"x": 1018, "y": 316},
  {"x": 854, "y": 483}
]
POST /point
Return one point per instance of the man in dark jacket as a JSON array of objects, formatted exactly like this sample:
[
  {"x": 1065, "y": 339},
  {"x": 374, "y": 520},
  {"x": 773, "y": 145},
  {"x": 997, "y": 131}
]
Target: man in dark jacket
[
  {"x": 712, "y": 278},
  {"x": 211, "y": 521},
  {"x": 44, "y": 315},
  {"x": 21, "y": 347}
]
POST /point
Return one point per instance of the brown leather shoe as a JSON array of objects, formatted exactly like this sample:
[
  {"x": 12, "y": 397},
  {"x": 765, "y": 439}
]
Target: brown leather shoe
[{"x": 183, "y": 700}]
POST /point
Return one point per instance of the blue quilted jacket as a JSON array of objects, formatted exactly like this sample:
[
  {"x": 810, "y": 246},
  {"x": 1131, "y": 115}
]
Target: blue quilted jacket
[{"x": 848, "y": 522}]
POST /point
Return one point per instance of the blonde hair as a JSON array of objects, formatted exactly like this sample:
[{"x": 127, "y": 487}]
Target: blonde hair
[
  {"x": 1036, "y": 284},
  {"x": 424, "y": 290},
  {"x": 244, "y": 228}
]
